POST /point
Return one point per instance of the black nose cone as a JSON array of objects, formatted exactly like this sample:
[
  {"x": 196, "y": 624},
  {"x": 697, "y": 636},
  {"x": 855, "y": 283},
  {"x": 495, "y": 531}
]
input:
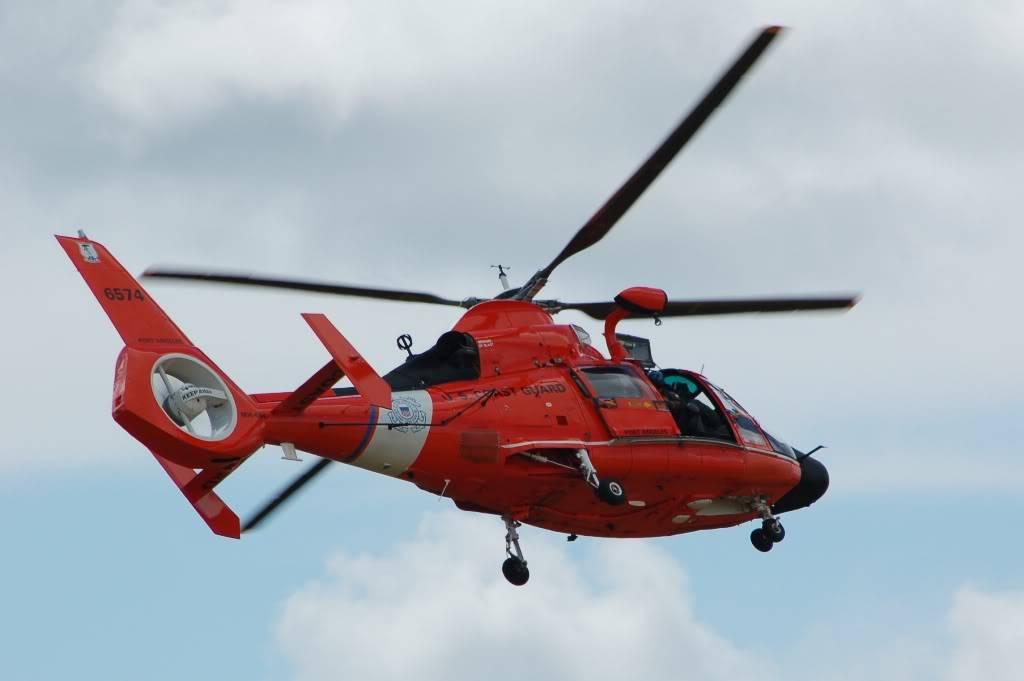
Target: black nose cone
[{"x": 812, "y": 486}]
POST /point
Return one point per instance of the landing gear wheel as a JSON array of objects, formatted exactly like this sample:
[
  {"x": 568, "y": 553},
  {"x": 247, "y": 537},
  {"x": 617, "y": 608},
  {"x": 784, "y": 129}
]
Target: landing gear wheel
[
  {"x": 611, "y": 492},
  {"x": 514, "y": 568},
  {"x": 515, "y": 571},
  {"x": 761, "y": 540},
  {"x": 775, "y": 531}
]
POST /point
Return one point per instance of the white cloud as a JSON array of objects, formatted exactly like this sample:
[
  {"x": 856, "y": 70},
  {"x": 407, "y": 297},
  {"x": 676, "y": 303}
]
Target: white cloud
[
  {"x": 989, "y": 631},
  {"x": 162, "y": 64},
  {"x": 438, "y": 607}
]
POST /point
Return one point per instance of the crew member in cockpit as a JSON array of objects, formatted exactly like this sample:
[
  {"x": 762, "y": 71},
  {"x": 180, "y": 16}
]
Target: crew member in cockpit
[
  {"x": 676, "y": 402},
  {"x": 693, "y": 416}
]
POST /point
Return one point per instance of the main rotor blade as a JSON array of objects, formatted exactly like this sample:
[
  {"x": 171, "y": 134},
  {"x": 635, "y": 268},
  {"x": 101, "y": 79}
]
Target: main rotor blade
[
  {"x": 245, "y": 279},
  {"x": 286, "y": 493},
  {"x": 607, "y": 215},
  {"x": 694, "y": 308}
]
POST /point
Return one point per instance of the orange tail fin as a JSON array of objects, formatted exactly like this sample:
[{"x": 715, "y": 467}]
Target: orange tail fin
[{"x": 168, "y": 394}]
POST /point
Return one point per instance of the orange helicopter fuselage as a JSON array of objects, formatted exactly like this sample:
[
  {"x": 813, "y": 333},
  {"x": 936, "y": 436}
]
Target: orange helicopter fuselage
[{"x": 506, "y": 442}]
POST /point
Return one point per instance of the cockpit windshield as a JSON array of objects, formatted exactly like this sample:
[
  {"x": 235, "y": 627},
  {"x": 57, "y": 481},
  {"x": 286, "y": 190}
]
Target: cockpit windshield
[
  {"x": 780, "y": 446},
  {"x": 747, "y": 427},
  {"x": 694, "y": 402},
  {"x": 750, "y": 432},
  {"x": 695, "y": 412}
]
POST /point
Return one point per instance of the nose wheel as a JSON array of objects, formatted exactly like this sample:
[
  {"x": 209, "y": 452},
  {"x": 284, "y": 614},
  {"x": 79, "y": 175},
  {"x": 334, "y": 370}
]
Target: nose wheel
[
  {"x": 761, "y": 541},
  {"x": 514, "y": 568},
  {"x": 771, "y": 531}
]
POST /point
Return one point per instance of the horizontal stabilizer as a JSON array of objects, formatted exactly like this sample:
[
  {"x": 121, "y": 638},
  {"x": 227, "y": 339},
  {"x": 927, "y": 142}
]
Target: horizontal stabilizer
[
  {"x": 367, "y": 382},
  {"x": 346, "y": 361},
  {"x": 307, "y": 393}
]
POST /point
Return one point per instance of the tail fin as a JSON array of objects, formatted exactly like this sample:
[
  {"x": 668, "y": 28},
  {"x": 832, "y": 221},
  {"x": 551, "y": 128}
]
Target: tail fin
[
  {"x": 167, "y": 393},
  {"x": 136, "y": 316}
]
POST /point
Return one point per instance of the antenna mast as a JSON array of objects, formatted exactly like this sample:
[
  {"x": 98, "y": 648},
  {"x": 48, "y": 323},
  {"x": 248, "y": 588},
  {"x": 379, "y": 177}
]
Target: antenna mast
[{"x": 501, "y": 275}]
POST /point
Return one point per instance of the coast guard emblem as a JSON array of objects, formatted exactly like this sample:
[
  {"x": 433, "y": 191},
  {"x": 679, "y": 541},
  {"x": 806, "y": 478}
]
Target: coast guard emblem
[{"x": 407, "y": 415}]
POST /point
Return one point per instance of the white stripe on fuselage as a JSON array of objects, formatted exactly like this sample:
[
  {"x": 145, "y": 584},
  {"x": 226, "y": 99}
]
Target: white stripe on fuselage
[{"x": 400, "y": 434}]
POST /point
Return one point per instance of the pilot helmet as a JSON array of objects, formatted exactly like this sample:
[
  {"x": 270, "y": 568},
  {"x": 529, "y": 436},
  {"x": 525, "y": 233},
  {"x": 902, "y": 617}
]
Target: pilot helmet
[{"x": 682, "y": 385}]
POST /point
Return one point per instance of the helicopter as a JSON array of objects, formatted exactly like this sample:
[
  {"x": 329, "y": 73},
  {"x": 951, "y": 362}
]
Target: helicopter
[{"x": 508, "y": 414}]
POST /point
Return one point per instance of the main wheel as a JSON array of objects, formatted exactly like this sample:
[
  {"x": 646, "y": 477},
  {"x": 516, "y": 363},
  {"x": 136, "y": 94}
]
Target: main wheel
[
  {"x": 611, "y": 492},
  {"x": 515, "y": 571},
  {"x": 775, "y": 531},
  {"x": 761, "y": 541}
]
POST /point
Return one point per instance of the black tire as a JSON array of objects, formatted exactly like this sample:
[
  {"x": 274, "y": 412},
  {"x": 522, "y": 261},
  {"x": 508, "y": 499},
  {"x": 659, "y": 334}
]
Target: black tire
[
  {"x": 515, "y": 571},
  {"x": 775, "y": 531},
  {"x": 761, "y": 541},
  {"x": 611, "y": 492}
]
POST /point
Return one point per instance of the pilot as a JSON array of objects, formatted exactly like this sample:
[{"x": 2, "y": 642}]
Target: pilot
[
  {"x": 658, "y": 379},
  {"x": 677, "y": 402},
  {"x": 684, "y": 408},
  {"x": 695, "y": 416}
]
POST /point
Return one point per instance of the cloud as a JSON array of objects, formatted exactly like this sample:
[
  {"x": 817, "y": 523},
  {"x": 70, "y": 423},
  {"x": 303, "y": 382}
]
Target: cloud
[
  {"x": 438, "y": 607},
  {"x": 165, "y": 64},
  {"x": 989, "y": 632}
]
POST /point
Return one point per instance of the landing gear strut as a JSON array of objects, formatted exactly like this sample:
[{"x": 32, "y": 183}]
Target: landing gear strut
[
  {"x": 514, "y": 568},
  {"x": 771, "y": 531},
  {"x": 608, "y": 491}
]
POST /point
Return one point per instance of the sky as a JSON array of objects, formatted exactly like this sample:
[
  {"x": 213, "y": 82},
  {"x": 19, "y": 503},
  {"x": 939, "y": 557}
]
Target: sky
[{"x": 876, "y": 148}]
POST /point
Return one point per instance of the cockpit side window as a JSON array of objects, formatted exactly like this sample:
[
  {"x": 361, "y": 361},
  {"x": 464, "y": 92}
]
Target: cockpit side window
[
  {"x": 694, "y": 410},
  {"x": 706, "y": 401}
]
